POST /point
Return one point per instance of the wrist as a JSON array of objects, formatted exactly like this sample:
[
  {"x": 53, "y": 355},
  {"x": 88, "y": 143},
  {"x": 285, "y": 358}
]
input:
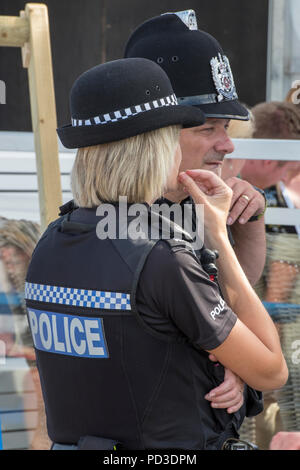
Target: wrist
[
  {"x": 216, "y": 238},
  {"x": 259, "y": 216}
]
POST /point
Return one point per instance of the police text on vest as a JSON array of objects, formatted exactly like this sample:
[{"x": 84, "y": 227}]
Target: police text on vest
[{"x": 67, "y": 334}]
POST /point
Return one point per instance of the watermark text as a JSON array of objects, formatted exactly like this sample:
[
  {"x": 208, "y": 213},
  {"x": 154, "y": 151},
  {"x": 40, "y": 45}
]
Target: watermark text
[
  {"x": 2, "y": 353},
  {"x": 295, "y": 97},
  {"x": 155, "y": 222},
  {"x": 296, "y": 354},
  {"x": 2, "y": 92}
]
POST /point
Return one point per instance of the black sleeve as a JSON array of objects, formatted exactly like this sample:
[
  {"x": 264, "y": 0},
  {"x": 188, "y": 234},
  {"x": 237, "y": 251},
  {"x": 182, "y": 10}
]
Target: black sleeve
[
  {"x": 175, "y": 293},
  {"x": 254, "y": 402}
]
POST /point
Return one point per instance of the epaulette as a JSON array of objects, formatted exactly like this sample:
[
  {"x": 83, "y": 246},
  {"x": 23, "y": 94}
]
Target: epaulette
[{"x": 69, "y": 206}]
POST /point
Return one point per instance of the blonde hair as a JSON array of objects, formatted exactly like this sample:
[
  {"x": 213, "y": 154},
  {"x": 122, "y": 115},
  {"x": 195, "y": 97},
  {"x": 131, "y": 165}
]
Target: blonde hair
[
  {"x": 242, "y": 129},
  {"x": 137, "y": 167}
]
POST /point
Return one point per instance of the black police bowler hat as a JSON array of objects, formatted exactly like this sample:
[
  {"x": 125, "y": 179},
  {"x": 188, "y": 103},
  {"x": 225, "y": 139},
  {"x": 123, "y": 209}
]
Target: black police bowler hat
[
  {"x": 121, "y": 99},
  {"x": 194, "y": 61}
]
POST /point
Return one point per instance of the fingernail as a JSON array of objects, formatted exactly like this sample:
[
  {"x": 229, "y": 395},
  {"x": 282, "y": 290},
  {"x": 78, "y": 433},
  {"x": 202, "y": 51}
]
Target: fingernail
[
  {"x": 242, "y": 221},
  {"x": 229, "y": 221}
]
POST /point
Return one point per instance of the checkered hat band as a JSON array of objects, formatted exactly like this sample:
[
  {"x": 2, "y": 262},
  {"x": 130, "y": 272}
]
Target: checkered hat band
[
  {"x": 77, "y": 297},
  {"x": 121, "y": 114}
]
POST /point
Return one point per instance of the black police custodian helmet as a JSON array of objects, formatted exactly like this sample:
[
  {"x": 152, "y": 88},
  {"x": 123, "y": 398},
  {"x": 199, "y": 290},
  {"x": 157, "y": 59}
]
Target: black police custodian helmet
[
  {"x": 121, "y": 99},
  {"x": 194, "y": 61}
]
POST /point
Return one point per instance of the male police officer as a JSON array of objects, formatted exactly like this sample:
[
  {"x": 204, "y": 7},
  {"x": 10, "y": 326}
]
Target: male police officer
[{"x": 201, "y": 76}]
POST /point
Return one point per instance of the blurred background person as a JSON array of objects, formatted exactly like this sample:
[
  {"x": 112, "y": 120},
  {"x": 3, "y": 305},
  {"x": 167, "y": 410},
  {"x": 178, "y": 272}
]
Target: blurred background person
[
  {"x": 274, "y": 120},
  {"x": 279, "y": 285},
  {"x": 292, "y": 187},
  {"x": 17, "y": 241}
]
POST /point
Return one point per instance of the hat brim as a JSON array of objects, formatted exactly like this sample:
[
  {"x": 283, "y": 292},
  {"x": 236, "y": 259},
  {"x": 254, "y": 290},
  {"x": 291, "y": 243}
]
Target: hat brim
[
  {"x": 225, "y": 110},
  {"x": 86, "y": 136}
]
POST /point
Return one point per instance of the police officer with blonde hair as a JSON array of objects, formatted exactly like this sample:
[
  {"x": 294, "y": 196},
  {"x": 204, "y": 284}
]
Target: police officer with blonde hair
[{"x": 123, "y": 325}]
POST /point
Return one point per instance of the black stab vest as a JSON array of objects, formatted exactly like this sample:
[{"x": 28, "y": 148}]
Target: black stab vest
[{"x": 103, "y": 370}]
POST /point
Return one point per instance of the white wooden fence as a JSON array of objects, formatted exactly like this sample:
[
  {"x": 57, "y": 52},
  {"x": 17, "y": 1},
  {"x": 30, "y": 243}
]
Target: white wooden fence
[{"x": 18, "y": 180}]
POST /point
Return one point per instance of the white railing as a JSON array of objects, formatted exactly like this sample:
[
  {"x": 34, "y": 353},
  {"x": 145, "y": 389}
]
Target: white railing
[
  {"x": 18, "y": 178},
  {"x": 265, "y": 149},
  {"x": 18, "y": 181}
]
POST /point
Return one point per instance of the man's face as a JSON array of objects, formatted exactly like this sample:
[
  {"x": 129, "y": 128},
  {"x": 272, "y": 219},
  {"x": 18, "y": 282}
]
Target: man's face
[
  {"x": 266, "y": 173},
  {"x": 205, "y": 146}
]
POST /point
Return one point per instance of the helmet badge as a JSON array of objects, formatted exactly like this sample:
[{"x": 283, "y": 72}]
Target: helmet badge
[
  {"x": 223, "y": 78},
  {"x": 188, "y": 17}
]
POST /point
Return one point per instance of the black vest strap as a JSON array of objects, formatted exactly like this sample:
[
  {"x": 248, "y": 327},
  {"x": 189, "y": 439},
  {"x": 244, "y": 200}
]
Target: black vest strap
[
  {"x": 69, "y": 226},
  {"x": 135, "y": 253}
]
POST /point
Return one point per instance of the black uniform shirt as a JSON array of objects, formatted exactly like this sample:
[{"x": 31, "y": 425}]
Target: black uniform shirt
[{"x": 175, "y": 296}]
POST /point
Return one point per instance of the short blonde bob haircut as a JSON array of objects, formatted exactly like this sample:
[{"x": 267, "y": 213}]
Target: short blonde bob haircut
[{"x": 137, "y": 167}]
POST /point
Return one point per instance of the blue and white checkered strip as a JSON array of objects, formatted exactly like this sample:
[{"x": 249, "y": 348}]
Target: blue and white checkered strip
[
  {"x": 77, "y": 297},
  {"x": 115, "y": 116}
]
